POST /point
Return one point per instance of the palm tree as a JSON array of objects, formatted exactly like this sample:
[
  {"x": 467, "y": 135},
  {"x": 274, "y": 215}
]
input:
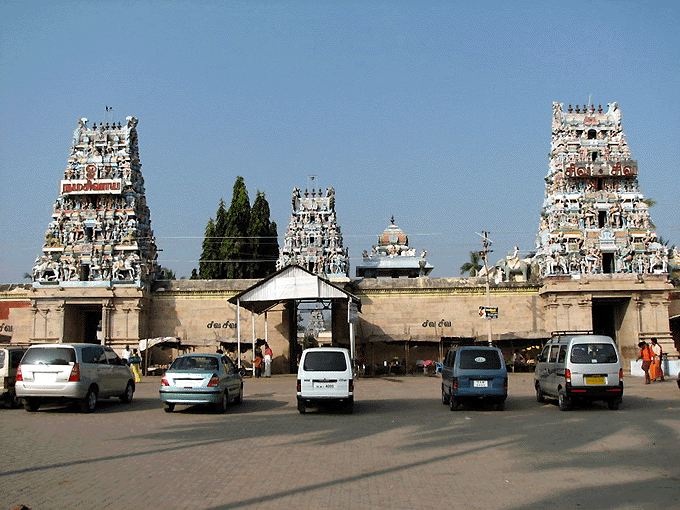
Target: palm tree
[{"x": 473, "y": 266}]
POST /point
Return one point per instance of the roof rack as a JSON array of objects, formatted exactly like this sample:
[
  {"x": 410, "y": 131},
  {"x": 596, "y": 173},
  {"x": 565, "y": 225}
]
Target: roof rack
[{"x": 573, "y": 332}]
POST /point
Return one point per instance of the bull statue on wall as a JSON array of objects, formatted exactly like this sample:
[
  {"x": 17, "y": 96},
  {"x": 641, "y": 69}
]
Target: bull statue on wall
[{"x": 509, "y": 268}]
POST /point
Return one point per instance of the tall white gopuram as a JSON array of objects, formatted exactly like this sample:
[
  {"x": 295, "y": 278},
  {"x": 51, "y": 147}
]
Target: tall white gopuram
[
  {"x": 100, "y": 233},
  {"x": 313, "y": 239},
  {"x": 594, "y": 218}
]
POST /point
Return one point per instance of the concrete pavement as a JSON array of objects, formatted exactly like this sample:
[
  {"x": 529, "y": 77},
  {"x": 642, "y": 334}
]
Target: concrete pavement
[{"x": 401, "y": 449}]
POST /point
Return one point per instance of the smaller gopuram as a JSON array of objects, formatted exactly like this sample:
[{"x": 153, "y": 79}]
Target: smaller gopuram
[
  {"x": 100, "y": 233},
  {"x": 392, "y": 257},
  {"x": 594, "y": 217},
  {"x": 313, "y": 239}
]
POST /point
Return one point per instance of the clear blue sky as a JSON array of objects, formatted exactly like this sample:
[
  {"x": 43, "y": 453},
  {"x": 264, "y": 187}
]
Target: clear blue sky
[{"x": 438, "y": 113}]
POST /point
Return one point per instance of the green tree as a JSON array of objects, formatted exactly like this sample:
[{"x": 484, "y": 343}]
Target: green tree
[
  {"x": 263, "y": 239},
  {"x": 235, "y": 248},
  {"x": 207, "y": 267},
  {"x": 474, "y": 265}
]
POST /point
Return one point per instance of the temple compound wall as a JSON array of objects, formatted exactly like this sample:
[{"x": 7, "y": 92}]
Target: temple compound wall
[{"x": 407, "y": 319}]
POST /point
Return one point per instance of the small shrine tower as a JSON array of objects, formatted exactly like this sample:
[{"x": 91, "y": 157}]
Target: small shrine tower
[
  {"x": 393, "y": 257},
  {"x": 313, "y": 239},
  {"x": 594, "y": 218},
  {"x": 100, "y": 233}
]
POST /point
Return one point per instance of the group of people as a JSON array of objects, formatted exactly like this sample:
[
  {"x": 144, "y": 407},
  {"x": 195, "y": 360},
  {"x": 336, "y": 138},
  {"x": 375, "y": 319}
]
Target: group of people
[
  {"x": 266, "y": 361},
  {"x": 651, "y": 360},
  {"x": 133, "y": 359}
]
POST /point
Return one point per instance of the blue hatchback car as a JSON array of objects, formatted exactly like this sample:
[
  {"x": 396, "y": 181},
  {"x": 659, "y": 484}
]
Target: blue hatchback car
[
  {"x": 211, "y": 379},
  {"x": 474, "y": 373}
]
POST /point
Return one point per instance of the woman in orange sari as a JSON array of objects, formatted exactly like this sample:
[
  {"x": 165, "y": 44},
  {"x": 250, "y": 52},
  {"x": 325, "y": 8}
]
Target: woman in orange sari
[
  {"x": 646, "y": 357},
  {"x": 655, "y": 371}
]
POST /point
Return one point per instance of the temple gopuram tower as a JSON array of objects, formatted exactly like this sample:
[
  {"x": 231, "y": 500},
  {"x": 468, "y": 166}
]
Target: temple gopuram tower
[
  {"x": 600, "y": 262},
  {"x": 99, "y": 254},
  {"x": 313, "y": 239},
  {"x": 594, "y": 219}
]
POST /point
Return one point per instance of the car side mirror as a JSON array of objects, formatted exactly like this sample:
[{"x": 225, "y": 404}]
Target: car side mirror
[
  {"x": 540, "y": 358},
  {"x": 242, "y": 371}
]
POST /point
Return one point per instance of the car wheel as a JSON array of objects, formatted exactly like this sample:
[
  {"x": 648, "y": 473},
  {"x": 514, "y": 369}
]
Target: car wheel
[
  {"x": 500, "y": 406},
  {"x": 454, "y": 405},
  {"x": 239, "y": 399},
  {"x": 168, "y": 408},
  {"x": 349, "y": 407},
  {"x": 445, "y": 398},
  {"x": 31, "y": 404},
  {"x": 614, "y": 404},
  {"x": 126, "y": 397},
  {"x": 540, "y": 397},
  {"x": 89, "y": 403},
  {"x": 221, "y": 407},
  {"x": 302, "y": 408},
  {"x": 563, "y": 401}
]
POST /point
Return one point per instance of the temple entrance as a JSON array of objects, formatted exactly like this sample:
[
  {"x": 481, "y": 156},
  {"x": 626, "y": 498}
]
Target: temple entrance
[
  {"x": 607, "y": 316},
  {"x": 82, "y": 324}
]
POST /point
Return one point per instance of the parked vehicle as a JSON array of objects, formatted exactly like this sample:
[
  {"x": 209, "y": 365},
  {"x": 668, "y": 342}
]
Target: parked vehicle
[
  {"x": 325, "y": 378},
  {"x": 211, "y": 379},
  {"x": 9, "y": 362},
  {"x": 577, "y": 368},
  {"x": 474, "y": 373},
  {"x": 81, "y": 373}
]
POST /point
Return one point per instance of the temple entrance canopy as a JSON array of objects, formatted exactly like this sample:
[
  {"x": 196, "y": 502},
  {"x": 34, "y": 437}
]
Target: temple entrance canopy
[{"x": 290, "y": 286}]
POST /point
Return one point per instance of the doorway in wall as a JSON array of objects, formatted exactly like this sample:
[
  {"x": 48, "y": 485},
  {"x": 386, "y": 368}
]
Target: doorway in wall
[
  {"x": 608, "y": 316},
  {"x": 82, "y": 324}
]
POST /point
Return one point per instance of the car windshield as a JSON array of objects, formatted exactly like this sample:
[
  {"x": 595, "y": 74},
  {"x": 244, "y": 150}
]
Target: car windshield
[
  {"x": 332, "y": 361},
  {"x": 199, "y": 363},
  {"x": 475, "y": 359},
  {"x": 591, "y": 353},
  {"x": 49, "y": 356}
]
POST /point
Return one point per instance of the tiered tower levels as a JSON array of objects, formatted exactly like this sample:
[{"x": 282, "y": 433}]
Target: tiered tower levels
[
  {"x": 313, "y": 239},
  {"x": 100, "y": 231},
  {"x": 594, "y": 217}
]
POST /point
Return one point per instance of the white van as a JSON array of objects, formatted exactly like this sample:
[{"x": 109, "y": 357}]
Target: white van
[
  {"x": 579, "y": 367},
  {"x": 325, "y": 377}
]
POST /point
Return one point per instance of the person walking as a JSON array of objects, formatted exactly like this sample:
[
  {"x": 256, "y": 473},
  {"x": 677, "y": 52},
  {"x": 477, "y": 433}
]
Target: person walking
[
  {"x": 126, "y": 354},
  {"x": 655, "y": 370},
  {"x": 646, "y": 357},
  {"x": 267, "y": 361},
  {"x": 135, "y": 361}
]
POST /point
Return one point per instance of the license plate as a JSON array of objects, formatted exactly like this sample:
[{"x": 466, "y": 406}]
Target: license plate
[
  {"x": 189, "y": 383},
  {"x": 480, "y": 384},
  {"x": 324, "y": 386},
  {"x": 44, "y": 378},
  {"x": 595, "y": 380}
]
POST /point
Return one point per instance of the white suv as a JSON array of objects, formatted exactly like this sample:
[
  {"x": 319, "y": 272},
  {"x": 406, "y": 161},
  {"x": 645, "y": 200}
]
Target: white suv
[
  {"x": 325, "y": 377},
  {"x": 81, "y": 373}
]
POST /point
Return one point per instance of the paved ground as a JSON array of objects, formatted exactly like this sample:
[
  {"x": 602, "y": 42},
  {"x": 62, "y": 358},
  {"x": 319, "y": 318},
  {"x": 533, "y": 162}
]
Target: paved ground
[{"x": 401, "y": 449}]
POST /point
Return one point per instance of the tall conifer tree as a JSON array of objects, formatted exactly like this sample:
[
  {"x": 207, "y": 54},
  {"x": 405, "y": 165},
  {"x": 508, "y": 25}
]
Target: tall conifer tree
[
  {"x": 263, "y": 237},
  {"x": 236, "y": 246},
  {"x": 206, "y": 264}
]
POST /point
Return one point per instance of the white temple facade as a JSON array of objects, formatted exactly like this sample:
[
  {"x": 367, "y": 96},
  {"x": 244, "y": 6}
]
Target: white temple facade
[
  {"x": 313, "y": 239},
  {"x": 594, "y": 218},
  {"x": 100, "y": 233}
]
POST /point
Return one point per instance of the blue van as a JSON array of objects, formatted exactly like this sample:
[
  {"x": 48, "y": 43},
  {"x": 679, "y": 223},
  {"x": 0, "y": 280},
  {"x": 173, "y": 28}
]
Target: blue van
[{"x": 474, "y": 373}]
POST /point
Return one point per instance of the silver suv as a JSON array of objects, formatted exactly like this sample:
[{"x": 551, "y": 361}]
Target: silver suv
[{"x": 81, "y": 373}]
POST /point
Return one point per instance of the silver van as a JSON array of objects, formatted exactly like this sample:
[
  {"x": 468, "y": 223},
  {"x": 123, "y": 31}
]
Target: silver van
[
  {"x": 579, "y": 367},
  {"x": 325, "y": 377},
  {"x": 82, "y": 373}
]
